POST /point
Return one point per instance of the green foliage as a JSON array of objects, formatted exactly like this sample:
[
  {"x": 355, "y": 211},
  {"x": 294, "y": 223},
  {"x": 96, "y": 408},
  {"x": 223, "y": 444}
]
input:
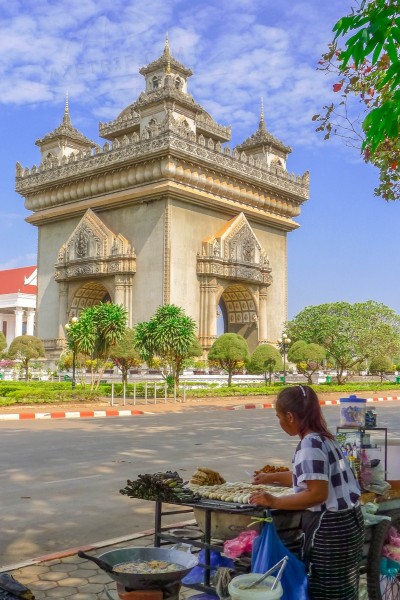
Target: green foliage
[
  {"x": 42, "y": 393},
  {"x": 369, "y": 72},
  {"x": 380, "y": 364},
  {"x": 308, "y": 358},
  {"x": 265, "y": 359},
  {"x": 97, "y": 330},
  {"x": 230, "y": 349},
  {"x": 170, "y": 335},
  {"x": 25, "y": 348},
  {"x": 124, "y": 354},
  {"x": 3, "y": 344},
  {"x": 350, "y": 333}
]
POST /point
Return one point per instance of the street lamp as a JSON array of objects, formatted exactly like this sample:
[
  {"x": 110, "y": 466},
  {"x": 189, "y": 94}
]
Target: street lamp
[
  {"x": 284, "y": 342},
  {"x": 67, "y": 327}
]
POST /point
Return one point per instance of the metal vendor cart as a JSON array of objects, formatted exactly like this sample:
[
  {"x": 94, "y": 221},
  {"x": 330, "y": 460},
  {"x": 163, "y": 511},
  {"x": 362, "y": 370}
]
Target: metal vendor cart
[{"x": 287, "y": 523}]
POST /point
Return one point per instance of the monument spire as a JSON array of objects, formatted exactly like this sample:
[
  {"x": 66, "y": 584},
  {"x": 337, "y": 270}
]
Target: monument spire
[
  {"x": 66, "y": 117},
  {"x": 262, "y": 121},
  {"x": 167, "y": 53}
]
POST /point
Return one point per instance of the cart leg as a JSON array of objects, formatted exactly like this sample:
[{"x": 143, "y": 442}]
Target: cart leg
[
  {"x": 157, "y": 524},
  {"x": 207, "y": 551}
]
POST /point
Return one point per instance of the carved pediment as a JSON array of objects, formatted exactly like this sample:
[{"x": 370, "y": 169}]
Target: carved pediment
[
  {"x": 234, "y": 252},
  {"x": 94, "y": 249}
]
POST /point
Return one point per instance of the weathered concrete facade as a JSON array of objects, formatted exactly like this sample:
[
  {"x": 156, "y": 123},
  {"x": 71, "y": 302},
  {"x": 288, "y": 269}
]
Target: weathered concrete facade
[{"x": 163, "y": 213}]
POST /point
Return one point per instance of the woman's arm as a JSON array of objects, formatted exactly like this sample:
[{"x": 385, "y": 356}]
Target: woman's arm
[
  {"x": 284, "y": 478},
  {"x": 316, "y": 493}
]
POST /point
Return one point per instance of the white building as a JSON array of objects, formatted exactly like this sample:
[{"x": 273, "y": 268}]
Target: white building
[{"x": 18, "y": 302}]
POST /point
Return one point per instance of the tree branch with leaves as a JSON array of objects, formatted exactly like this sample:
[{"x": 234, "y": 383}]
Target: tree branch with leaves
[{"x": 367, "y": 116}]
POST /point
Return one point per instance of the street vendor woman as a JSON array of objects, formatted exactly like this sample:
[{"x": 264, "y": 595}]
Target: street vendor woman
[{"x": 325, "y": 489}]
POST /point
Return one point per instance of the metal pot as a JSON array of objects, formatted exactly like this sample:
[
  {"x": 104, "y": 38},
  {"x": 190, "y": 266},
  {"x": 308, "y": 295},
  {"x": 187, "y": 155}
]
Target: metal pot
[{"x": 134, "y": 581}]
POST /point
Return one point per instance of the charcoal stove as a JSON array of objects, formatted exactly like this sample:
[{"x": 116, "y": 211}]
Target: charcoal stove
[{"x": 167, "y": 592}]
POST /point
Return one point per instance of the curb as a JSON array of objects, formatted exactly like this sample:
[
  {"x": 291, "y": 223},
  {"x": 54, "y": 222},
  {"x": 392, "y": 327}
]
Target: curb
[
  {"x": 103, "y": 544},
  {"x": 70, "y": 415},
  {"x": 322, "y": 403},
  {"x": 89, "y": 414}
]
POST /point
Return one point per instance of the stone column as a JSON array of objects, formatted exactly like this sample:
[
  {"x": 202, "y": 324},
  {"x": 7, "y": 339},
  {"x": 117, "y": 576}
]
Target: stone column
[
  {"x": 19, "y": 313},
  {"x": 262, "y": 316},
  {"x": 208, "y": 312},
  {"x": 203, "y": 313},
  {"x": 123, "y": 294},
  {"x": 30, "y": 321},
  {"x": 212, "y": 312},
  {"x": 62, "y": 308}
]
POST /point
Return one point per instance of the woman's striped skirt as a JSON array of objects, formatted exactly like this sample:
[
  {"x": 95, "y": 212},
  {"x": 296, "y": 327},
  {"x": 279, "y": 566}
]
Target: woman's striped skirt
[{"x": 335, "y": 542}]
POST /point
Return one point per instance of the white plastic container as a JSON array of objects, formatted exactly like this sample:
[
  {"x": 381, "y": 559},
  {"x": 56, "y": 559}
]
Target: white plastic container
[
  {"x": 352, "y": 411},
  {"x": 254, "y": 593}
]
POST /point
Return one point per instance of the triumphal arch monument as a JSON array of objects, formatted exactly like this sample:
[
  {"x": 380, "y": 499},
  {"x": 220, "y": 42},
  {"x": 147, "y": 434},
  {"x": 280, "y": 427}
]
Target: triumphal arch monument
[{"x": 163, "y": 212}]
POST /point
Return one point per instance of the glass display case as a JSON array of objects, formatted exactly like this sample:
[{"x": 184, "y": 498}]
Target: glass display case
[{"x": 367, "y": 458}]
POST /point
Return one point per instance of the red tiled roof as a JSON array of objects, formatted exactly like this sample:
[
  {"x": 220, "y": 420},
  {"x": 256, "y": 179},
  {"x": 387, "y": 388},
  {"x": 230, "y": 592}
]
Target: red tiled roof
[{"x": 12, "y": 281}]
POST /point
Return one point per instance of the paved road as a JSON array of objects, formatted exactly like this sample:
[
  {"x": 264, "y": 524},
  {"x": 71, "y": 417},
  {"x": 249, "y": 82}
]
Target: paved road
[{"x": 60, "y": 481}]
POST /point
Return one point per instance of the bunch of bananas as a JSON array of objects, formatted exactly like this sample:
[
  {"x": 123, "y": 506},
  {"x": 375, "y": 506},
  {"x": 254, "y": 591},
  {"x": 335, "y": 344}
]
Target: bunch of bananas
[
  {"x": 271, "y": 469},
  {"x": 205, "y": 476}
]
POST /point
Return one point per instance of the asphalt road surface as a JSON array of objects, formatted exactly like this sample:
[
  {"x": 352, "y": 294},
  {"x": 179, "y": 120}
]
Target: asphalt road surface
[{"x": 60, "y": 481}]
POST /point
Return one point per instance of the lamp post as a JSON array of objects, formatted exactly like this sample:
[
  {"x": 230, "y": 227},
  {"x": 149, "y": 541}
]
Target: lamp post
[
  {"x": 284, "y": 342},
  {"x": 68, "y": 327}
]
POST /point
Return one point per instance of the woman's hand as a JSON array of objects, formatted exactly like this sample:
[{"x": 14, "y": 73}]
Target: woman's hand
[
  {"x": 281, "y": 477},
  {"x": 263, "y": 499},
  {"x": 263, "y": 478}
]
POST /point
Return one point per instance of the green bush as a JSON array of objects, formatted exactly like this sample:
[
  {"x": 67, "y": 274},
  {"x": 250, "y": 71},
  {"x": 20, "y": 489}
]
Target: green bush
[{"x": 15, "y": 392}]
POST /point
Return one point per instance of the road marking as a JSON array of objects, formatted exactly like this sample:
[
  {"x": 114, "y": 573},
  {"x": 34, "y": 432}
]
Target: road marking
[{"x": 72, "y": 479}]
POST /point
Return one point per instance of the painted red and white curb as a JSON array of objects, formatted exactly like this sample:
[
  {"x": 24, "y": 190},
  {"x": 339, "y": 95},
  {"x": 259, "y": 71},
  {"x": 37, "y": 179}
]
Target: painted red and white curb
[
  {"x": 322, "y": 403},
  {"x": 26, "y": 416},
  {"x": 90, "y": 414}
]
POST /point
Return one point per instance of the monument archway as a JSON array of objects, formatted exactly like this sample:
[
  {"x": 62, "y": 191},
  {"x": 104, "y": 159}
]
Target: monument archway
[
  {"x": 234, "y": 275},
  {"x": 88, "y": 294},
  {"x": 239, "y": 313}
]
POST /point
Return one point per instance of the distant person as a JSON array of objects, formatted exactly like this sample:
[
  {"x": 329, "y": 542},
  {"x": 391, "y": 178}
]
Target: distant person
[{"x": 325, "y": 489}]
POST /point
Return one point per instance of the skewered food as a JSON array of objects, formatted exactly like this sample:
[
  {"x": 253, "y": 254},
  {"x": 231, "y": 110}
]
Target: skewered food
[
  {"x": 272, "y": 469},
  {"x": 166, "y": 487},
  {"x": 206, "y": 476},
  {"x": 237, "y": 492}
]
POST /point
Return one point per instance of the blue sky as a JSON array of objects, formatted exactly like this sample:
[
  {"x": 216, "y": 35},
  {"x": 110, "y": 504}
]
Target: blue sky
[{"x": 239, "y": 50}]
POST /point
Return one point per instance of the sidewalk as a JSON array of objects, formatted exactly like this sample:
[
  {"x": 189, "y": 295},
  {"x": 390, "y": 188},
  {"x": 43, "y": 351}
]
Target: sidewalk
[
  {"x": 65, "y": 575},
  {"x": 101, "y": 409}
]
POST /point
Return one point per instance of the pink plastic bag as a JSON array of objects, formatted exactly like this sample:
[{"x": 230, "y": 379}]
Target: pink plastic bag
[
  {"x": 241, "y": 544},
  {"x": 392, "y": 549}
]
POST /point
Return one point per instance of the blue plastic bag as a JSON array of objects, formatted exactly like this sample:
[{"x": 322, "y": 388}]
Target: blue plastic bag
[
  {"x": 268, "y": 549},
  {"x": 196, "y": 575}
]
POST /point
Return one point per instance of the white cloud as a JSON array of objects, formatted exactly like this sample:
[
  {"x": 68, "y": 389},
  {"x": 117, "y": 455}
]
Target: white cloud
[{"x": 239, "y": 50}]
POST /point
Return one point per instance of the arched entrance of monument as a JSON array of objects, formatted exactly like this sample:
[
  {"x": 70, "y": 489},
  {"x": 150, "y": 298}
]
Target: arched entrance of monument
[
  {"x": 237, "y": 313},
  {"x": 89, "y": 294}
]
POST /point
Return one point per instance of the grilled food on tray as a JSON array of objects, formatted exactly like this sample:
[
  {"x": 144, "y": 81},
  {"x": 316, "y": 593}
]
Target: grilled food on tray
[
  {"x": 271, "y": 469},
  {"x": 237, "y": 492},
  {"x": 205, "y": 476}
]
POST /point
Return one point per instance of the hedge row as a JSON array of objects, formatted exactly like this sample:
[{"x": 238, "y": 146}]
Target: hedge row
[{"x": 52, "y": 392}]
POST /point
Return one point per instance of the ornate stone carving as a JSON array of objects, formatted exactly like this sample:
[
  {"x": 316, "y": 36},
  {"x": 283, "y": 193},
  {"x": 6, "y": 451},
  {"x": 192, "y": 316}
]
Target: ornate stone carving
[
  {"x": 227, "y": 182},
  {"x": 93, "y": 249},
  {"x": 235, "y": 255}
]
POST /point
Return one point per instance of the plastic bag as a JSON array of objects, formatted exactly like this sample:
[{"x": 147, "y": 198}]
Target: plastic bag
[
  {"x": 268, "y": 549},
  {"x": 369, "y": 513},
  {"x": 11, "y": 589},
  {"x": 240, "y": 544},
  {"x": 196, "y": 575},
  {"x": 392, "y": 549}
]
